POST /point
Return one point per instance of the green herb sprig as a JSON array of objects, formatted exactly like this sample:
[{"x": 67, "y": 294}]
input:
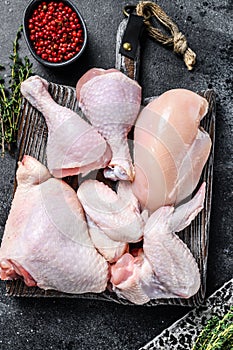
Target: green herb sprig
[
  {"x": 217, "y": 334},
  {"x": 10, "y": 99}
]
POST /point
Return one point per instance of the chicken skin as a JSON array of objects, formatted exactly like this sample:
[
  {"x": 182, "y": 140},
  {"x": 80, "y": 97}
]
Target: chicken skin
[
  {"x": 73, "y": 146},
  {"x": 111, "y": 102},
  {"x": 165, "y": 267},
  {"x": 46, "y": 240}
]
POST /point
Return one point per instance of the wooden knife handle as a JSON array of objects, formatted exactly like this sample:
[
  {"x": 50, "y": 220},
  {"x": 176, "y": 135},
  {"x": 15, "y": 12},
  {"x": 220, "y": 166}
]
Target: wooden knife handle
[{"x": 128, "y": 66}]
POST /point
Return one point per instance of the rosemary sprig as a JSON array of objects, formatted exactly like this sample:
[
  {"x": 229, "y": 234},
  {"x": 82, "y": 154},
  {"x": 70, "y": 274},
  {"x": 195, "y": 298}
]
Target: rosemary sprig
[
  {"x": 205, "y": 334},
  {"x": 217, "y": 334},
  {"x": 10, "y": 99}
]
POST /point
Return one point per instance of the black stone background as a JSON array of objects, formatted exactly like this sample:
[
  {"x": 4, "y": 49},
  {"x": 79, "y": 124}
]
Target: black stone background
[{"x": 81, "y": 324}]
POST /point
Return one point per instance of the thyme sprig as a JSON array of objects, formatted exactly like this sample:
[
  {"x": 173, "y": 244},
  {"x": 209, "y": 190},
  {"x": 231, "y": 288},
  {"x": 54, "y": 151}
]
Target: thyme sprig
[
  {"x": 10, "y": 99},
  {"x": 217, "y": 334}
]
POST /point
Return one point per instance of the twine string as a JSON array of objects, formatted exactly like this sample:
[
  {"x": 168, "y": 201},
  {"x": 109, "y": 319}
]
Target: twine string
[{"x": 177, "y": 40}]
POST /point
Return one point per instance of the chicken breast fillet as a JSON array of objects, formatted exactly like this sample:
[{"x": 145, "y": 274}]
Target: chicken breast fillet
[{"x": 170, "y": 149}]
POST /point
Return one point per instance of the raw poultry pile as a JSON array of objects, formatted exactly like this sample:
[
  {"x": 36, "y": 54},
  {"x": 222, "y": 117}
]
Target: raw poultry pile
[{"x": 120, "y": 237}]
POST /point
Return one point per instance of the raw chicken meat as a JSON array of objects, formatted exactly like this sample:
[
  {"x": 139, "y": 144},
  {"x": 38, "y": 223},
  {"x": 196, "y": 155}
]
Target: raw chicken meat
[
  {"x": 73, "y": 145},
  {"x": 125, "y": 193},
  {"x": 170, "y": 150},
  {"x": 126, "y": 276},
  {"x": 171, "y": 260},
  {"x": 107, "y": 247},
  {"x": 194, "y": 160},
  {"x": 117, "y": 218},
  {"x": 57, "y": 239},
  {"x": 111, "y": 102},
  {"x": 92, "y": 73},
  {"x": 46, "y": 240},
  {"x": 166, "y": 267}
]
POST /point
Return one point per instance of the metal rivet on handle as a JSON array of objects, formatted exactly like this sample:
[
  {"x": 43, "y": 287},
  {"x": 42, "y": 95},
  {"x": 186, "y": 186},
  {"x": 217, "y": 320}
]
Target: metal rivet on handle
[{"x": 127, "y": 47}]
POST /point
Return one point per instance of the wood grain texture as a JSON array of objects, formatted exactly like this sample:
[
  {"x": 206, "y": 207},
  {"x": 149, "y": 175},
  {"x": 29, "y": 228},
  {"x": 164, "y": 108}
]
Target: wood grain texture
[{"x": 126, "y": 65}]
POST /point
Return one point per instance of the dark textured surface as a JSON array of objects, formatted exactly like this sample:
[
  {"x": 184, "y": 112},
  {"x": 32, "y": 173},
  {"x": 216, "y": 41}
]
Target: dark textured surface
[
  {"x": 186, "y": 331},
  {"x": 80, "y": 324}
]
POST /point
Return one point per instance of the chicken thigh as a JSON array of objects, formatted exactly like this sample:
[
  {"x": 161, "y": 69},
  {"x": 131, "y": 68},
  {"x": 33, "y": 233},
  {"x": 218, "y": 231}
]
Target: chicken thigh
[
  {"x": 111, "y": 102},
  {"x": 73, "y": 145},
  {"x": 46, "y": 240},
  {"x": 170, "y": 150},
  {"x": 165, "y": 268}
]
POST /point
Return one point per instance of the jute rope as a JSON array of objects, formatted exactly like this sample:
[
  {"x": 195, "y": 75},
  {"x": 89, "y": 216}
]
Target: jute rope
[{"x": 177, "y": 40}]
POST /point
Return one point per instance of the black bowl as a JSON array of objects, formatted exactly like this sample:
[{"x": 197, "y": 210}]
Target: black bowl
[{"x": 27, "y": 15}]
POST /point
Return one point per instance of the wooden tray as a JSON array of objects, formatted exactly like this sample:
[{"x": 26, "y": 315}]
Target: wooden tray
[{"x": 32, "y": 139}]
